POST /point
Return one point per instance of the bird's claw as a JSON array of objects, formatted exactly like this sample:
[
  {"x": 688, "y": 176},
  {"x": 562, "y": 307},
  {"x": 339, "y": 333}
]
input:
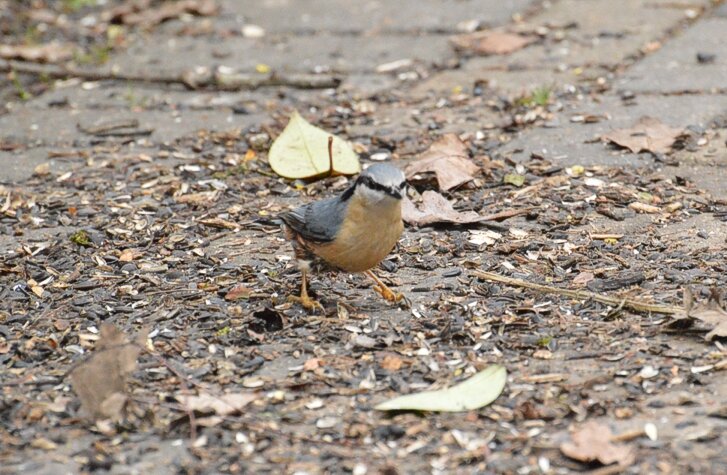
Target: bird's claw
[
  {"x": 389, "y": 295},
  {"x": 306, "y": 302}
]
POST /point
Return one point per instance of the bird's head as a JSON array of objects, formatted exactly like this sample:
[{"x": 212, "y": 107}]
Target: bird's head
[{"x": 379, "y": 184}]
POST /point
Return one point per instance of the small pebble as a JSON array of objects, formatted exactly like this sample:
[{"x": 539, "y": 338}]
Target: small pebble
[{"x": 706, "y": 58}]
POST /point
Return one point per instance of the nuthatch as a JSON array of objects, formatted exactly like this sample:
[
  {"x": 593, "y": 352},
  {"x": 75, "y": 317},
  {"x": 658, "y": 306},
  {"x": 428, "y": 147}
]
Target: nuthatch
[{"x": 352, "y": 232}]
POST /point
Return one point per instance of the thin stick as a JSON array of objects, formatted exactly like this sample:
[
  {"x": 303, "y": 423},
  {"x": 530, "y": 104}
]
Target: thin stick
[
  {"x": 580, "y": 294},
  {"x": 330, "y": 155},
  {"x": 231, "y": 82},
  {"x": 183, "y": 381}
]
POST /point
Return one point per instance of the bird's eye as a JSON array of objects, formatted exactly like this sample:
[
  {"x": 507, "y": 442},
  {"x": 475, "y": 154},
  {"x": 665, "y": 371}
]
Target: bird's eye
[{"x": 402, "y": 185}]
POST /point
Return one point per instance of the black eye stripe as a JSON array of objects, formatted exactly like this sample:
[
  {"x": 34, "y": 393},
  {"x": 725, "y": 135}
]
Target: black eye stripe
[{"x": 370, "y": 183}]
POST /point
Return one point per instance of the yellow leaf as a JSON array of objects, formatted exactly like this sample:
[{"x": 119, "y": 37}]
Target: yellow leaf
[
  {"x": 478, "y": 391},
  {"x": 301, "y": 151}
]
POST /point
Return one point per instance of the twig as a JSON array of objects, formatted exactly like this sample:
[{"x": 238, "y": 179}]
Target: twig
[
  {"x": 503, "y": 215},
  {"x": 627, "y": 436},
  {"x": 330, "y": 155},
  {"x": 580, "y": 294},
  {"x": 183, "y": 381},
  {"x": 219, "y": 81}
]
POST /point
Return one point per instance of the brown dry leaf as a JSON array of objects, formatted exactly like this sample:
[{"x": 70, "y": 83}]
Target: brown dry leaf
[
  {"x": 710, "y": 313},
  {"x": 448, "y": 159},
  {"x": 140, "y": 13},
  {"x": 47, "y": 53},
  {"x": 100, "y": 380},
  {"x": 238, "y": 292},
  {"x": 201, "y": 198},
  {"x": 219, "y": 223},
  {"x": 312, "y": 364},
  {"x": 583, "y": 278},
  {"x": 648, "y": 134},
  {"x": 491, "y": 42},
  {"x": 435, "y": 209},
  {"x": 128, "y": 255},
  {"x": 223, "y": 405},
  {"x": 592, "y": 441},
  {"x": 392, "y": 363}
]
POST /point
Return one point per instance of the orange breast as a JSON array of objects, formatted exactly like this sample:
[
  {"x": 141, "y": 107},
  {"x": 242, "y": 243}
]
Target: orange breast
[{"x": 366, "y": 237}]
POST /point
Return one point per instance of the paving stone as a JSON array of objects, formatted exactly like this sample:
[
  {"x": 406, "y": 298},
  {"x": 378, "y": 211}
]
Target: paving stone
[
  {"x": 19, "y": 165},
  {"x": 509, "y": 83},
  {"x": 573, "y": 143},
  {"x": 707, "y": 177},
  {"x": 382, "y": 16},
  {"x": 675, "y": 67},
  {"x": 345, "y": 54},
  {"x": 139, "y": 96},
  {"x": 604, "y": 32},
  {"x": 59, "y": 127}
]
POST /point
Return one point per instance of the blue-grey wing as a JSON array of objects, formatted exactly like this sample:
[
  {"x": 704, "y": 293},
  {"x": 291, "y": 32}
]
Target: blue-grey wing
[{"x": 318, "y": 221}]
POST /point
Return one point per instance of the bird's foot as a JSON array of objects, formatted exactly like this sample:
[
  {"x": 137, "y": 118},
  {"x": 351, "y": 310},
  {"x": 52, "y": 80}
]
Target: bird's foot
[
  {"x": 306, "y": 302},
  {"x": 388, "y": 294}
]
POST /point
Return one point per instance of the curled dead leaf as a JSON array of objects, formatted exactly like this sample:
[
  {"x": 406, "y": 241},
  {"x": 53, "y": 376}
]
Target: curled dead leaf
[
  {"x": 100, "y": 380},
  {"x": 448, "y": 159},
  {"x": 435, "y": 209},
  {"x": 491, "y": 42},
  {"x": 711, "y": 313},
  {"x": 647, "y": 134},
  {"x": 592, "y": 442}
]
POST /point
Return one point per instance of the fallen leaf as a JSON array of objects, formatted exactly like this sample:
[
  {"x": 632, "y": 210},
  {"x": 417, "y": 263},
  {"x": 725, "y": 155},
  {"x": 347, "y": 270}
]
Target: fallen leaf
[
  {"x": 644, "y": 208},
  {"x": 301, "y": 151},
  {"x": 491, "y": 42},
  {"x": 648, "y": 134},
  {"x": 710, "y": 313},
  {"x": 223, "y": 405},
  {"x": 514, "y": 179},
  {"x": 100, "y": 380},
  {"x": 141, "y": 13},
  {"x": 44, "y": 53},
  {"x": 238, "y": 292},
  {"x": 435, "y": 209},
  {"x": 592, "y": 442},
  {"x": 583, "y": 278},
  {"x": 448, "y": 159},
  {"x": 128, "y": 255},
  {"x": 484, "y": 236},
  {"x": 391, "y": 363},
  {"x": 478, "y": 391}
]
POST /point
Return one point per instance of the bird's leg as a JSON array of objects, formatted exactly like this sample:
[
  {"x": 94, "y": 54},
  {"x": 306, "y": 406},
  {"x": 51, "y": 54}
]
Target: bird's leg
[
  {"x": 307, "y": 302},
  {"x": 381, "y": 289}
]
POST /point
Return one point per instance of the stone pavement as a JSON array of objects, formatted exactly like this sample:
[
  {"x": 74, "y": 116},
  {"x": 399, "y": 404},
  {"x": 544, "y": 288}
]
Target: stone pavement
[
  {"x": 646, "y": 48},
  {"x": 615, "y": 59},
  {"x": 591, "y": 53}
]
